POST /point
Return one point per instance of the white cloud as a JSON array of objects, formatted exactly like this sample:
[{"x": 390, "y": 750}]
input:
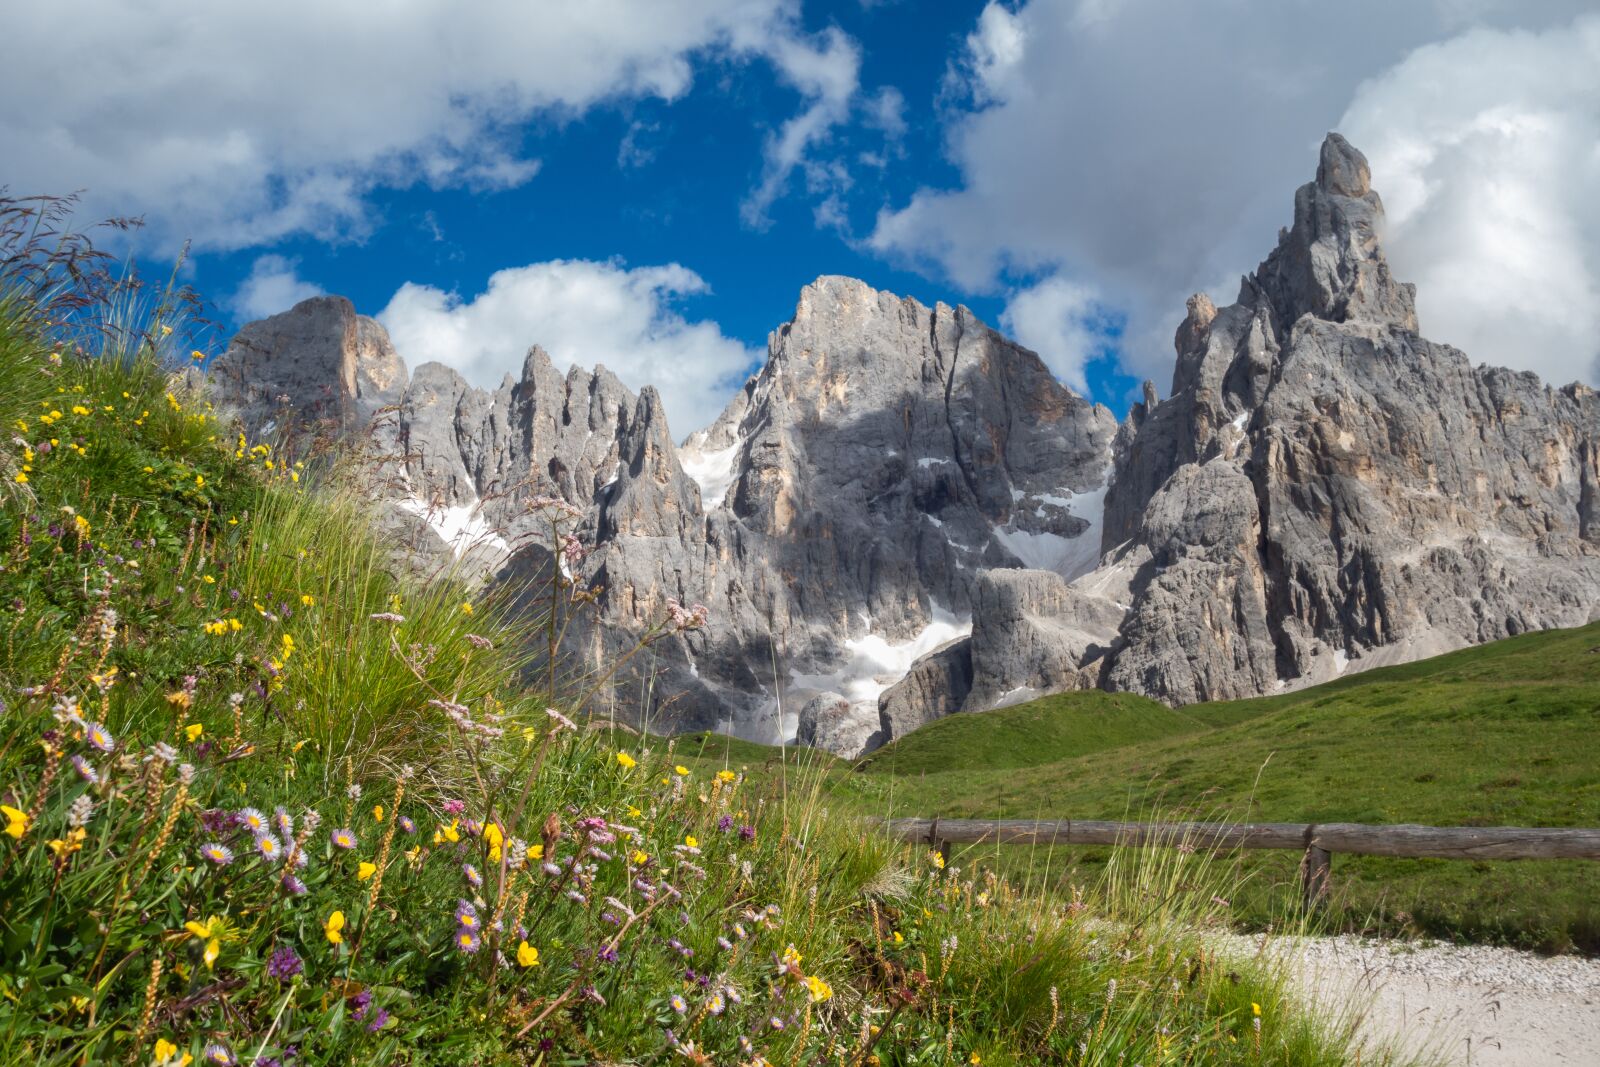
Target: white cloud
[
  {"x": 273, "y": 285},
  {"x": 1486, "y": 146},
  {"x": 827, "y": 72},
  {"x": 1150, "y": 149},
  {"x": 583, "y": 313},
  {"x": 237, "y": 124},
  {"x": 1064, "y": 322}
]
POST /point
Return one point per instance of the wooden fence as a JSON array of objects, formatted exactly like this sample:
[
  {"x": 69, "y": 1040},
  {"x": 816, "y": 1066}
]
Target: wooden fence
[{"x": 1316, "y": 841}]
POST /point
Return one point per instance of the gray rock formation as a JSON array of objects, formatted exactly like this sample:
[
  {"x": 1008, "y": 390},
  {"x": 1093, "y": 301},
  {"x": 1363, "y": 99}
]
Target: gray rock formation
[
  {"x": 840, "y": 511},
  {"x": 1325, "y": 489},
  {"x": 902, "y": 515}
]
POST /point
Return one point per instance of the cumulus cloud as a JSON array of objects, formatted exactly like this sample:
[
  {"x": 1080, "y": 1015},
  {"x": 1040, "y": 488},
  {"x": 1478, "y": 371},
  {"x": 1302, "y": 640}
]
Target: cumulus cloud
[
  {"x": 583, "y": 313},
  {"x": 1065, "y": 322},
  {"x": 273, "y": 285},
  {"x": 1486, "y": 149},
  {"x": 1149, "y": 149},
  {"x": 242, "y": 123}
]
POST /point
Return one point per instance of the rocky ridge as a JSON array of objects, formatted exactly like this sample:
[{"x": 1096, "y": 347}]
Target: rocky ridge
[{"x": 902, "y": 515}]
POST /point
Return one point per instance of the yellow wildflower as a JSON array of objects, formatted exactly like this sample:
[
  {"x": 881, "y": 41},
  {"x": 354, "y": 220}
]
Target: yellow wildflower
[
  {"x": 16, "y": 821},
  {"x": 377, "y": 812},
  {"x": 451, "y": 834},
  {"x": 818, "y": 989},
  {"x": 628, "y": 762},
  {"x": 333, "y": 927},
  {"x": 194, "y": 730},
  {"x": 527, "y": 955},
  {"x": 689, "y": 839},
  {"x": 726, "y": 776},
  {"x": 211, "y": 932},
  {"x": 365, "y": 870},
  {"x": 681, "y": 771},
  {"x": 466, "y": 609},
  {"x": 307, "y": 599},
  {"x": 640, "y": 857}
]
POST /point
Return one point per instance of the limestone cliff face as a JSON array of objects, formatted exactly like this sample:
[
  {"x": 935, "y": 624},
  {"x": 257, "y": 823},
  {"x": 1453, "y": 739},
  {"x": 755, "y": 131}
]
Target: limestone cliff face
[
  {"x": 1325, "y": 489},
  {"x": 834, "y": 519},
  {"x": 902, "y": 515}
]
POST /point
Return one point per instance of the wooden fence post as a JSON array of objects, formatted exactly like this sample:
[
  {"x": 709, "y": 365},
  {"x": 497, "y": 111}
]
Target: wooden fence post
[{"x": 1315, "y": 868}]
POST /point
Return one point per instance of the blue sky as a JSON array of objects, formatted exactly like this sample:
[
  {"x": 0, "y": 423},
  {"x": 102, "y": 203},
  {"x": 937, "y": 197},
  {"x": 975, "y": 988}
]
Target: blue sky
[{"x": 650, "y": 182}]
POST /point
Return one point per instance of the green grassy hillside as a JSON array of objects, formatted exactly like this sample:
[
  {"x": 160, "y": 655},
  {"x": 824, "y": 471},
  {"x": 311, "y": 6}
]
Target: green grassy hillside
[{"x": 1502, "y": 734}]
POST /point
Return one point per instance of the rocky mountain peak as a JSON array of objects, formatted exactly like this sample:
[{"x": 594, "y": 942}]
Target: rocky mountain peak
[{"x": 1330, "y": 263}]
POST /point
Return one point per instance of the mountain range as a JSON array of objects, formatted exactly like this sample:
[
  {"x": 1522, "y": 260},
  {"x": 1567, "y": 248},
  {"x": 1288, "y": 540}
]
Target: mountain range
[{"x": 903, "y": 515}]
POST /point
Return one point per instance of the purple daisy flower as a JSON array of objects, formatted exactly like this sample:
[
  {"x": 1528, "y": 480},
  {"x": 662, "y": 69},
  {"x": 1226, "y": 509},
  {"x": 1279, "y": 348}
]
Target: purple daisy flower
[
  {"x": 293, "y": 886},
  {"x": 474, "y": 879},
  {"x": 85, "y": 770},
  {"x": 253, "y": 820},
  {"x": 218, "y": 1055},
  {"x": 268, "y": 847},
  {"x": 217, "y": 853},
  {"x": 406, "y": 824},
  {"x": 283, "y": 822},
  {"x": 343, "y": 838},
  {"x": 467, "y": 915},
  {"x": 467, "y": 940},
  {"x": 99, "y": 737}
]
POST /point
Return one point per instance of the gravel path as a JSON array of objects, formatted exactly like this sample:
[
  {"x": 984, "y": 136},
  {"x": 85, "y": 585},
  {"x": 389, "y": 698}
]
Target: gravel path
[{"x": 1484, "y": 1007}]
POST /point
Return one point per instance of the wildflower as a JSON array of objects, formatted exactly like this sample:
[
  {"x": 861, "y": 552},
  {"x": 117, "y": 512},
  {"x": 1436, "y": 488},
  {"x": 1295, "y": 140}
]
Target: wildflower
[
  {"x": 937, "y": 859},
  {"x": 726, "y": 776},
  {"x": 628, "y": 762},
  {"x": 268, "y": 846},
  {"x": 283, "y": 822},
  {"x": 474, "y": 879},
  {"x": 66, "y": 846},
  {"x": 165, "y": 1050},
  {"x": 406, "y": 824},
  {"x": 387, "y": 616},
  {"x": 1255, "y": 1009},
  {"x": 100, "y": 737},
  {"x": 380, "y": 1019},
  {"x": 899, "y": 939},
  {"x": 377, "y": 812},
  {"x": 217, "y": 853},
  {"x": 79, "y": 813},
  {"x": 527, "y": 955},
  {"x": 284, "y": 964},
  {"x": 194, "y": 730},
  {"x": 678, "y": 1004},
  {"x": 211, "y": 932},
  {"x": 253, "y": 820},
  {"x": 681, "y": 771},
  {"x": 334, "y": 927},
  {"x": 818, "y": 989},
  {"x": 218, "y": 1055},
  {"x": 467, "y": 940},
  {"x": 466, "y": 609},
  {"x": 467, "y": 915},
  {"x": 16, "y": 821},
  {"x": 343, "y": 839},
  {"x": 725, "y": 823},
  {"x": 747, "y": 833},
  {"x": 365, "y": 870},
  {"x": 640, "y": 857},
  {"x": 293, "y": 886},
  {"x": 691, "y": 841}
]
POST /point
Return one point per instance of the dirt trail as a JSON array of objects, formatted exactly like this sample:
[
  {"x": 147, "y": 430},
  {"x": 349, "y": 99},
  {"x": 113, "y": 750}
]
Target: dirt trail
[{"x": 1472, "y": 1005}]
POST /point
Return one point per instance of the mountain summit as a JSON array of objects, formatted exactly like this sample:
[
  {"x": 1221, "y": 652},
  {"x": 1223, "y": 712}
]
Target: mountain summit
[{"x": 904, "y": 515}]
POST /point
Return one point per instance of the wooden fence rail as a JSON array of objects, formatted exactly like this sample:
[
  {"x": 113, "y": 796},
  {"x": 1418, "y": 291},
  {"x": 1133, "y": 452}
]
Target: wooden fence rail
[{"x": 1316, "y": 841}]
